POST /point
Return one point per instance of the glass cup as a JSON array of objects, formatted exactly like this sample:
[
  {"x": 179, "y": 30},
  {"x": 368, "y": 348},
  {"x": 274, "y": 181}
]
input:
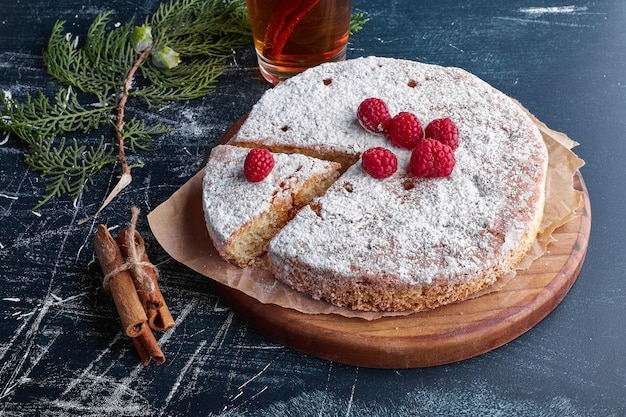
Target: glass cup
[{"x": 293, "y": 35}]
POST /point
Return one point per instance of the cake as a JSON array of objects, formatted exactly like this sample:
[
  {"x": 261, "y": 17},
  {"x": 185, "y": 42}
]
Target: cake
[
  {"x": 243, "y": 216},
  {"x": 402, "y": 243}
]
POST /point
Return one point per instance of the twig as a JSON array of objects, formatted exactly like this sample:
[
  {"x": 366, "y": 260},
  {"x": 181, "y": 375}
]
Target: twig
[{"x": 126, "y": 178}]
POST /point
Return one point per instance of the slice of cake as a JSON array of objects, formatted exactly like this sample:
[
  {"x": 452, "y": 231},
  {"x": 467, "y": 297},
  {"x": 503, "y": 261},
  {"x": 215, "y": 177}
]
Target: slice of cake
[
  {"x": 242, "y": 216},
  {"x": 403, "y": 242}
]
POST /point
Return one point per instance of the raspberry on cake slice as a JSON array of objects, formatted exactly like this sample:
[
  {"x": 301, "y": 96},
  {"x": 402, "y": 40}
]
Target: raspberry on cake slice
[{"x": 244, "y": 212}]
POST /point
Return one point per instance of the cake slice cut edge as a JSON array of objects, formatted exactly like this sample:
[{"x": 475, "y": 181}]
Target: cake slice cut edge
[{"x": 242, "y": 216}]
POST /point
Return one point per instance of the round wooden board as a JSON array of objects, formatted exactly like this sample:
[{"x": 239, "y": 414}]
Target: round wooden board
[{"x": 444, "y": 335}]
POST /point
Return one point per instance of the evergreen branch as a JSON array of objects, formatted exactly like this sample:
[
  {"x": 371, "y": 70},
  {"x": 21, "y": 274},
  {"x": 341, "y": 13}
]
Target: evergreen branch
[
  {"x": 38, "y": 118},
  {"x": 126, "y": 177},
  {"x": 109, "y": 52},
  {"x": 95, "y": 68},
  {"x": 192, "y": 39},
  {"x": 67, "y": 168},
  {"x": 187, "y": 81},
  {"x": 138, "y": 137},
  {"x": 213, "y": 18},
  {"x": 357, "y": 21},
  {"x": 204, "y": 34}
]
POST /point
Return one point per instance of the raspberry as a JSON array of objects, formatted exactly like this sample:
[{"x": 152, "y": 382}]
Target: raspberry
[
  {"x": 431, "y": 158},
  {"x": 258, "y": 164},
  {"x": 445, "y": 131},
  {"x": 404, "y": 130},
  {"x": 379, "y": 162},
  {"x": 373, "y": 115}
]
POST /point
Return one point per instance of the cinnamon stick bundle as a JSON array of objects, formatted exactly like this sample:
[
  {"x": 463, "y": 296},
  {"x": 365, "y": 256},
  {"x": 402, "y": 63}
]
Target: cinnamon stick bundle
[
  {"x": 148, "y": 348},
  {"x": 159, "y": 316},
  {"x": 131, "y": 280},
  {"x": 119, "y": 283}
]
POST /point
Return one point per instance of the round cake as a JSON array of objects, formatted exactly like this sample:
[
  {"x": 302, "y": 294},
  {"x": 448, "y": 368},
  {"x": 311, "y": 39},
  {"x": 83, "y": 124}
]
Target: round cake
[{"x": 402, "y": 243}]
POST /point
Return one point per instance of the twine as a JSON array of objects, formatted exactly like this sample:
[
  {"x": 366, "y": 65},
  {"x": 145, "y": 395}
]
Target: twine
[{"x": 134, "y": 262}]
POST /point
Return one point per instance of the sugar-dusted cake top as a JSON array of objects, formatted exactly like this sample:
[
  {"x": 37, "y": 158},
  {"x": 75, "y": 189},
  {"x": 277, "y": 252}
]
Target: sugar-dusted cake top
[
  {"x": 230, "y": 200},
  {"x": 317, "y": 109},
  {"x": 417, "y": 231}
]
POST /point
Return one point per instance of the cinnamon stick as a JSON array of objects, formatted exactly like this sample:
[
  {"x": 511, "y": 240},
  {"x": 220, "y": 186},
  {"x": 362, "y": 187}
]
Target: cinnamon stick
[
  {"x": 148, "y": 348},
  {"x": 159, "y": 316},
  {"x": 119, "y": 283}
]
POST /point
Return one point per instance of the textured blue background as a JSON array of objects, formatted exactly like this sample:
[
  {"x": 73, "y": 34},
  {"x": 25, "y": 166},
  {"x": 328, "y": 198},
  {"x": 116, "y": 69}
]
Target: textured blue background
[{"x": 61, "y": 348}]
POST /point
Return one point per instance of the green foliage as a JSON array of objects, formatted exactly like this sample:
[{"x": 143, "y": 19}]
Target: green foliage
[
  {"x": 357, "y": 22},
  {"x": 38, "y": 118},
  {"x": 99, "y": 66},
  {"x": 203, "y": 33},
  {"x": 67, "y": 168},
  {"x": 138, "y": 137},
  {"x": 105, "y": 67}
]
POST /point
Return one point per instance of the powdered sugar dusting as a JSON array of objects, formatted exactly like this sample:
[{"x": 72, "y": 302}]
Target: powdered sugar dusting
[
  {"x": 419, "y": 231},
  {"x": 553, "y": 10},
  {"x": 230, "y": 200}
]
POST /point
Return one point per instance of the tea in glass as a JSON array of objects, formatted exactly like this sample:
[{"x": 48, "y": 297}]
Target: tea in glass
[{"x": 293, "y": 35}]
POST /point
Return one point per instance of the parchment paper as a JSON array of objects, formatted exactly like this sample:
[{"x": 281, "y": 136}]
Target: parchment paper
[{"x": 178, "y": 225}]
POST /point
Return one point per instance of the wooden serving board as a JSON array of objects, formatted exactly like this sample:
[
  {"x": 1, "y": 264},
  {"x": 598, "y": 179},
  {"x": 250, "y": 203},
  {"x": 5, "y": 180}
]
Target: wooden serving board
[
  {"x": 440, "y": 336},
  {"x": 444, "y": 335}
]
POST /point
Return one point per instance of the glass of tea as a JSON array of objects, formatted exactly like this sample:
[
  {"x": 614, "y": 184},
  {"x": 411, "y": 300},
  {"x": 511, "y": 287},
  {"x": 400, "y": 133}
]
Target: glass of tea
[{"x": 293, "y": 35}]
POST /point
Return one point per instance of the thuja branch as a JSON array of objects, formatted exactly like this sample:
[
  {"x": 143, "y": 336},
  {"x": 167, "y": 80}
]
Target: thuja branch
[
  {"x": 176, "y": 54},
  {"x": 191, "y": 43},
  {"x": 122, "y": 108},
  {"x": 126, "y": 177}
]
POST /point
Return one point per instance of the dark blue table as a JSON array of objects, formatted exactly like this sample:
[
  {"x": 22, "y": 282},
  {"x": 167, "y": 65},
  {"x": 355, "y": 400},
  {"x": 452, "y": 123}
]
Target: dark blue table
[{"x": 62, "y": 351}]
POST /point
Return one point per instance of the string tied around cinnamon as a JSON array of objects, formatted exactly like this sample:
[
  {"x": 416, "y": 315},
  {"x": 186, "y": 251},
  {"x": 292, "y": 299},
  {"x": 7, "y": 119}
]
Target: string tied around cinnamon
[{"x": 134, "y": 261}]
